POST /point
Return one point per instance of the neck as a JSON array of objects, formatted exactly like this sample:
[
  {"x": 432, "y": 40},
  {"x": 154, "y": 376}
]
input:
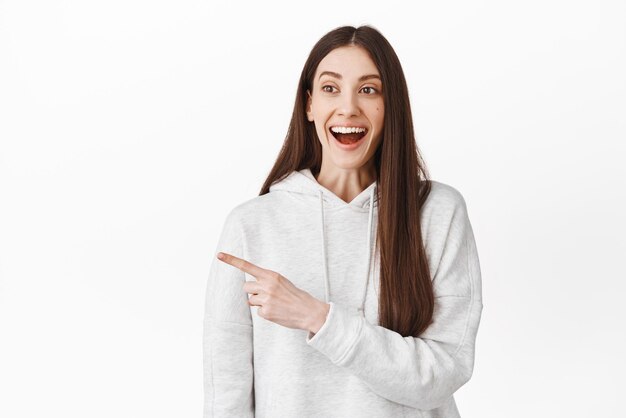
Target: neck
[{"x": 346, "y": 183}]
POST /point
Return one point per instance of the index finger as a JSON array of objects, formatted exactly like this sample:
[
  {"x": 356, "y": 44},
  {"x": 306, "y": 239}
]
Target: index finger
[{"x": 242, "y": 265}]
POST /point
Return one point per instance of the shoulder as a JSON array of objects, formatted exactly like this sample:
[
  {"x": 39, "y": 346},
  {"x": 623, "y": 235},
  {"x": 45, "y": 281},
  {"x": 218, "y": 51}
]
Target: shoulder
[
  {"x": 253, "y": 208},
  {"x": 443, "y": 197},
  {"x": 449, "y": 242},
  {"x": 444, "y": 214}
]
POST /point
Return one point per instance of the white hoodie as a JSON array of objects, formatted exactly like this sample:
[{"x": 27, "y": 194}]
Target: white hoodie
[{"x": 352, "y": 367}]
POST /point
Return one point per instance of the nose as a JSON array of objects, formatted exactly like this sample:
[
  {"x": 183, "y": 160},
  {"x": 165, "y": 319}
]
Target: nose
[{"x": 349, "y": 105}]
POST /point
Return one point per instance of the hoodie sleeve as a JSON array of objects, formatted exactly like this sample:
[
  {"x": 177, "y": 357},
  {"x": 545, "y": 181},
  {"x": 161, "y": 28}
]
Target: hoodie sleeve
[
  {"x": 227, "y": 338},
  {"x": 420, "y": 372}
]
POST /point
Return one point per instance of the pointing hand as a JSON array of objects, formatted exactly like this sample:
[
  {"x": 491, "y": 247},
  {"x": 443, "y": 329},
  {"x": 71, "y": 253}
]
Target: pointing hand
[{"x": 278, "y": 299}]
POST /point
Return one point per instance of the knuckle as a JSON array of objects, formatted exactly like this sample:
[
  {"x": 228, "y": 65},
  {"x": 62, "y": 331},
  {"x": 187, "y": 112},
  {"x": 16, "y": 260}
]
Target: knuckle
[{"x": 271, "y": 289}]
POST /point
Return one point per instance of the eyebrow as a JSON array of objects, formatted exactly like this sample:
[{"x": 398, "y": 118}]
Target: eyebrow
[{"x": 337, "y": 75}]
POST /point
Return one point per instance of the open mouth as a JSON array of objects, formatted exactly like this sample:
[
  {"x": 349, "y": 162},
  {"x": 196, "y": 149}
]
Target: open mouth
[{"x": 348, "y": 138}]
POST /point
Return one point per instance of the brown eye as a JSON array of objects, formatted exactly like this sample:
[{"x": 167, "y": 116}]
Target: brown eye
[
  {"x": 330, "y": 87},
  {"x": 371, "y": 88}
]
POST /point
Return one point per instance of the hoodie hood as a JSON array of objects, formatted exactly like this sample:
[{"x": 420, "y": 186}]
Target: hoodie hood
[{"x": 303, "y": 184}]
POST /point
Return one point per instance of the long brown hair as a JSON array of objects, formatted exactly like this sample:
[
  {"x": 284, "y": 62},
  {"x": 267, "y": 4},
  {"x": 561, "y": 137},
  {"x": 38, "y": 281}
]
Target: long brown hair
[{"x": 406, "y": 294}]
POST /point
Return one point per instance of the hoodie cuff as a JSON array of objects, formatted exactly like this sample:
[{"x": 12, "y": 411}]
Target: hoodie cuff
[{"x": 336, "y": 338}]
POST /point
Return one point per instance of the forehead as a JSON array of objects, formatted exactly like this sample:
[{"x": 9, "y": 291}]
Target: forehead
[{"x": 349, "y": 61}]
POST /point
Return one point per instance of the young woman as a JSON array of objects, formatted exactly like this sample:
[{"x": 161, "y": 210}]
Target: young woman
[{"x": 351, "y": 286}]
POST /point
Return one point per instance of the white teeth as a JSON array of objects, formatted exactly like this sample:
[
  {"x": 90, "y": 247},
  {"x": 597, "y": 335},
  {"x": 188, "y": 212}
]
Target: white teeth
[{"x": 346, "y": 130}]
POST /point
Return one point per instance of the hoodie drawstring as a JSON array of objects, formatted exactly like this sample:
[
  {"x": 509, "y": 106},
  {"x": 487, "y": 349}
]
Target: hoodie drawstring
[{"x": 369, "y": 250}]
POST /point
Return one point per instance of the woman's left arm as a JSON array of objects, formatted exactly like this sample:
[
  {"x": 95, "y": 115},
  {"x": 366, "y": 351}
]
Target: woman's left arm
[{"x": 420, "y": 372}]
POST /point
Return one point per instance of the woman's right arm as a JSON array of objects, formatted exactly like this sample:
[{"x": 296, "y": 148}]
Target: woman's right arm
[{"x": 227, "y": 339}]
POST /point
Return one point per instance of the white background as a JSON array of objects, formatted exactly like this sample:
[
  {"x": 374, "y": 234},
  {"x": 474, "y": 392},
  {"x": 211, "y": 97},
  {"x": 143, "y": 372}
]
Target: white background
[{"x": 129, "y": 129}]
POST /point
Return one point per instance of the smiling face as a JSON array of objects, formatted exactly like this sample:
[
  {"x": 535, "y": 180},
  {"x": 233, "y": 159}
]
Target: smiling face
[{"x": 346, "y": 100}]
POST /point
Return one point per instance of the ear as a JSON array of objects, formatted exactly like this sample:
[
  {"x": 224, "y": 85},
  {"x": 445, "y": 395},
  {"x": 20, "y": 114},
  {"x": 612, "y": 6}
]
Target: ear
[{"x": 309, "y": 113}]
